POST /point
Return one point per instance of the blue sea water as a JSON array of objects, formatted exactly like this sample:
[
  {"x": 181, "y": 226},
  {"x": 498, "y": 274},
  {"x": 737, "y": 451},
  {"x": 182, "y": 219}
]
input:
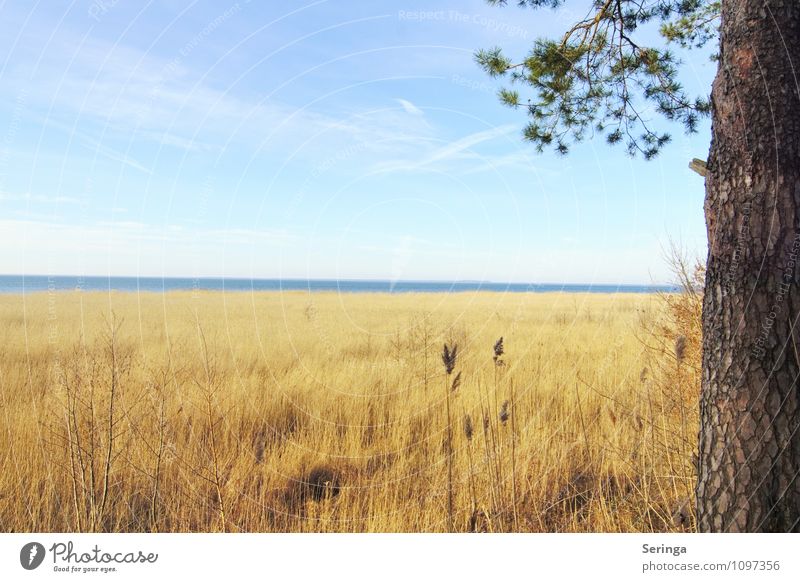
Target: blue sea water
[{"x": 40, "y": 283}]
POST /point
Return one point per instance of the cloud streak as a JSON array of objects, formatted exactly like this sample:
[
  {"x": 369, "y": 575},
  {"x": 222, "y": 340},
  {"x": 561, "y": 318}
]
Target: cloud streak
[
  {"x": 409, "y": 107},
  {"x": 458, "y": 150}
]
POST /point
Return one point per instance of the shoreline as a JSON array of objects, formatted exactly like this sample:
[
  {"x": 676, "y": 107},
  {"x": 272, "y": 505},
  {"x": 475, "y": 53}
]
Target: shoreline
[
  {"x": 28, "y": 285},
  {"x": 325, "y": 292}
]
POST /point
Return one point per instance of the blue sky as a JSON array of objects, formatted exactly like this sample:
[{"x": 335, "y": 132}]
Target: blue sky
[{"x": 328, "y": 139}]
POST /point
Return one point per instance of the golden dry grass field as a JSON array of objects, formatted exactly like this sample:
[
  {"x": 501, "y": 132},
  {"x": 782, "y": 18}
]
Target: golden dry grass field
[{"x": 333, "y": 412}]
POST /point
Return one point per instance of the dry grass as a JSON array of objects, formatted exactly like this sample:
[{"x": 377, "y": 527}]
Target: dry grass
[{"x": 326, "y": 412}]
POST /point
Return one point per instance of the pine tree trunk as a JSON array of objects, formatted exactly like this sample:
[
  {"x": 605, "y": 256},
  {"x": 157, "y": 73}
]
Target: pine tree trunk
[{"x": 749, "y": 448}]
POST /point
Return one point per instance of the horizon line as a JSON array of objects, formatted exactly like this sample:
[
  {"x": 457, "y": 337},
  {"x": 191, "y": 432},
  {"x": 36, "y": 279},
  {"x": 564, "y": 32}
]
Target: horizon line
[{"x": 344, "y": 279}]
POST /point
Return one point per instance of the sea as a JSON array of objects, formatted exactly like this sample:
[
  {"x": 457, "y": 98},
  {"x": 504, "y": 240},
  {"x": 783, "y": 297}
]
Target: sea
[{"x": 44, "y": 283}]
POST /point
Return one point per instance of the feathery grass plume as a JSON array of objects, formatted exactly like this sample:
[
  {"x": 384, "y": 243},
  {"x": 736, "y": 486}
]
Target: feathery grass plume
[
  {"x": 456, "y": 382},
  {"x": 498, "y": 351},
  {"x": 449, "y": 356},
  {"x": 680, "y": 348},
  {"x": 468, "y": 428},
  {"x": 504, "y": 414},
  {"x": 468, "y": 432}
]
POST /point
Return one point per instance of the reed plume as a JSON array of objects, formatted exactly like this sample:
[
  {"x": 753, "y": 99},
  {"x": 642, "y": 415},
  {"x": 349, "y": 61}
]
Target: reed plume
[
  {"x": 449, "y": 357},
  {"x": 456, "y": 383},
  {"x": 468, "y": 428},
  {"x": 498, "y": 352},
  {"x": 468, "y": 432},
  {"x": 504, "y": 413}
]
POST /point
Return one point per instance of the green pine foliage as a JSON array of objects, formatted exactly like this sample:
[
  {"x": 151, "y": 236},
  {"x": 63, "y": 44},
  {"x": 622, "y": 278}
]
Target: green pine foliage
[{"x": 599, "y": 79}]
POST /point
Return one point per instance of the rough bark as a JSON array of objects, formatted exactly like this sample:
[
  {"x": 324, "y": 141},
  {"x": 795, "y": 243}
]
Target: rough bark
[{"x": 749, "y": 442}]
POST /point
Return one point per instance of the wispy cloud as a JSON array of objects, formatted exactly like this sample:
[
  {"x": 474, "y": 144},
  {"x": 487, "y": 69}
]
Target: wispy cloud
[
  {"x": 458, "y": 150},
  {"x": 522, "y": 159},
  {"x": 115, "y": 93},
  {"x": 111, "y": 154},
  {"x": 39, "y": 198},
  {"x": 409, "y": 107},
  {"x": 42, "y": 234},
  {"x": 42, "y": 246},
  {"x": 91, "y": 144}
]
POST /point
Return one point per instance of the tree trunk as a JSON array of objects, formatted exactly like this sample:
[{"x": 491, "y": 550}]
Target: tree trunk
[{"x": 749, "y": 447}]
